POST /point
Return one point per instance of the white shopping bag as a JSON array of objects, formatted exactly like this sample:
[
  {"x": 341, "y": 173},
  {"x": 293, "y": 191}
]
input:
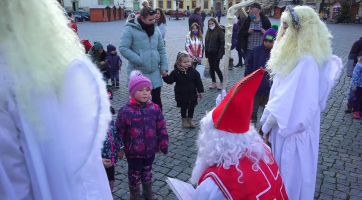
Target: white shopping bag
[{"x": 200, "y": 68}]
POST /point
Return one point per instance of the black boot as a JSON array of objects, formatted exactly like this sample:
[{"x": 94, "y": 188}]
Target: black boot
[
  {"x": 117, "y": 85},
  {"x": 231, "y": 64},
  {"x": 349, "y": 108},
  {"x": 238, "y": 65}
]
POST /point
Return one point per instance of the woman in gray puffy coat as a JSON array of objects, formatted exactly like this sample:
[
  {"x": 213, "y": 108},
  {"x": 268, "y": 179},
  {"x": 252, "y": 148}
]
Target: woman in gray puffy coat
[{"x": 142, "y": 45}]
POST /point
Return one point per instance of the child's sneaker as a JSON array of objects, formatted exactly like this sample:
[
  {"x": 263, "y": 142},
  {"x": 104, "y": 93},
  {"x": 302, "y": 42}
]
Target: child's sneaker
[{"x": 356, "y": 115}]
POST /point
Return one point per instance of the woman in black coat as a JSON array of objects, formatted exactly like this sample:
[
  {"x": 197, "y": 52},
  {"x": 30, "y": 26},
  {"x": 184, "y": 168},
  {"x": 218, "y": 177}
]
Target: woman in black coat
[{"x": 214, "y": 50}]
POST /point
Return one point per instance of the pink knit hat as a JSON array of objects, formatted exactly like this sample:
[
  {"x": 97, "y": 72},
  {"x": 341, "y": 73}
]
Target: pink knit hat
[{"x": 137, "y": 81}]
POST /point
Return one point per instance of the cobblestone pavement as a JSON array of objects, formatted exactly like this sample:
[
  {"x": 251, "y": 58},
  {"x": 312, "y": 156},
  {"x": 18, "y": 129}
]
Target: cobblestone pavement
[{"x": 339, "y": 165}]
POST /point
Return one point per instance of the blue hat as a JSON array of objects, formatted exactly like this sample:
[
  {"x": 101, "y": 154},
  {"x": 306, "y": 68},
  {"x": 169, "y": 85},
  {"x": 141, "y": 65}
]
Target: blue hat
[{"x": 111, "y": 48}]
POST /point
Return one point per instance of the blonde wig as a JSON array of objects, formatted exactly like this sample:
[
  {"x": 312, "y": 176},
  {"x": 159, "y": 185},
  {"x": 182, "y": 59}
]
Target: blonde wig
[
  {"x": 313, "y": 37},
  {"x": 38, "y": 45}
]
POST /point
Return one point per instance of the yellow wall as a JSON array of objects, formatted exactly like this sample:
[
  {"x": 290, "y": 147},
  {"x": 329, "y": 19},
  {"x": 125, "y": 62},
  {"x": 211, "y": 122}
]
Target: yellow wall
[
  {"x": 164, "y": 7},
  {"x": 234, "y": 2}
]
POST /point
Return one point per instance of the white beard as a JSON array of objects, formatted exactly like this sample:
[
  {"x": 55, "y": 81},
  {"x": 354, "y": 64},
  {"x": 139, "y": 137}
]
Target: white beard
[
  {"x": 224, "y": 149},
  {"x": 199, "y": 169}
]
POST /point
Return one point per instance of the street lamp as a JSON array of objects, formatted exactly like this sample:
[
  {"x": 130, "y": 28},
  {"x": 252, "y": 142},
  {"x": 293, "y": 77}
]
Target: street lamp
[{"x": 177, "y": 5}]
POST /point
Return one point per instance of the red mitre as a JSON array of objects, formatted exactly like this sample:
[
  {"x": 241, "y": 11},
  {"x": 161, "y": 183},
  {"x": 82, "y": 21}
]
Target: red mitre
[{"x": 233, "y": 114}]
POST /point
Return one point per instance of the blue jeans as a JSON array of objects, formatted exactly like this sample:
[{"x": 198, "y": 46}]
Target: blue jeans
[{"x": 115, "y": 77}]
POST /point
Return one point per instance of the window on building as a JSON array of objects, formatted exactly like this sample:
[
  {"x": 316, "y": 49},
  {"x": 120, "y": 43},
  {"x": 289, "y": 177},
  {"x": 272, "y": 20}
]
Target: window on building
[
  {"x": 230, "y": 4},
  {"x": 181, "y": 5},
  {"x": 206, "y": 4},
  {"x": 160, "y": 4},
  {"x": 193, "y": 4},
  {"x": 169, "y": 4}
]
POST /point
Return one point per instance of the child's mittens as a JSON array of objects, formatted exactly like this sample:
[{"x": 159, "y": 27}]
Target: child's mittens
[
  {"x": 220, "y": 97},
  {"x": 163, "y": 150},
  {"x": 199, "y": 97}
]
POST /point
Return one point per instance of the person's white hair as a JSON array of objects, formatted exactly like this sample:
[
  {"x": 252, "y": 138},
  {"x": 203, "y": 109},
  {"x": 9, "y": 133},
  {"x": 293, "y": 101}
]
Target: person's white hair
[
  {"x": 224, "y": 149},
  {"x": 313, "y": 37}
]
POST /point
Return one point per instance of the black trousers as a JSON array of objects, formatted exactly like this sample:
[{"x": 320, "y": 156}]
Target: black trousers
[
  {"x": 214, "y": 62},
  {"x": 358, "y": 100},
  {"x": 156, "y": 97},
  {"x": 110, "y": 173},
  {"x": 190, "y": 112}
]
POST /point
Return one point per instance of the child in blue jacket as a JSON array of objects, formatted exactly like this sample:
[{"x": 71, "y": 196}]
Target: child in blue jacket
[
  {"x": 114, "y": 63},
  {"x": 357, "y": 89},
  {"x": 112, "y": 149}
]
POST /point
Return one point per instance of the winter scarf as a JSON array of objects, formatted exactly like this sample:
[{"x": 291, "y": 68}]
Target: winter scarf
[{"x": 149, "y": 28}]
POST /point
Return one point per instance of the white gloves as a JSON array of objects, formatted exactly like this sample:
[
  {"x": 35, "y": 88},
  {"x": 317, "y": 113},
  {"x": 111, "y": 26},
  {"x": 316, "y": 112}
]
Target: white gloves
[
  {"x": 269, "y": 123},
  {"x": 220, "y": 97}
]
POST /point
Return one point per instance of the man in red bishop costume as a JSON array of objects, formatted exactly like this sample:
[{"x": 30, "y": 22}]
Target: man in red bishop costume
[{"x": 233, "y": 162}]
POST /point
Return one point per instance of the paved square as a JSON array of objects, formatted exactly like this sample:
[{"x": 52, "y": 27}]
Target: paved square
[{"x": 339, "y": 165}]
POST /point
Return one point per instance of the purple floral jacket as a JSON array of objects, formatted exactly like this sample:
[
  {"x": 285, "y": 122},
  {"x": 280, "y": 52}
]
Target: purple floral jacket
[{"x": 142, "y": 129}]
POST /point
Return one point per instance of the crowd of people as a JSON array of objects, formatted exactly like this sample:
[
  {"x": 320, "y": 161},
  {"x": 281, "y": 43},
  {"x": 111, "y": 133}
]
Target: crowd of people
[{"x": 60, "y": 140}]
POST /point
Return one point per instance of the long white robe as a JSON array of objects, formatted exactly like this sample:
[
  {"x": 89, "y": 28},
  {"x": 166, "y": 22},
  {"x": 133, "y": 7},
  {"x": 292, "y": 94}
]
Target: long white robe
[
  {"x": 296, "y": 103},
  {"x": 63, "y": 160}
]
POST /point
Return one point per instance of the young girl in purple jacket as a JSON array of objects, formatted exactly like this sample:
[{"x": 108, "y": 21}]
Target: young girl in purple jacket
[{"x": 142, "y": 128}]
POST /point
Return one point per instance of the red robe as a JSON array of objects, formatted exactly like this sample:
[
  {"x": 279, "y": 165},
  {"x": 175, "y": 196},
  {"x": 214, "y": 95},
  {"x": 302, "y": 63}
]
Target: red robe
[{"x": 262, "y": 182}]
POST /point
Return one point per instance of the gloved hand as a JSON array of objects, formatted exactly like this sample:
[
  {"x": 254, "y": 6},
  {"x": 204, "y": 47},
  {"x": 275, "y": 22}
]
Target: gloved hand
[
  {"x": 268, "y": 125},
  {"x": 220, "y": 97}
]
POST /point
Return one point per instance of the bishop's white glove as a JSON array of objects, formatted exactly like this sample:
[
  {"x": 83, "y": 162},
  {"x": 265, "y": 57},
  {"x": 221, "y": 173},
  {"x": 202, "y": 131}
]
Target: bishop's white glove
[
  {"x": 220, "y": 97},
  {"x": 269, "y": 123}
]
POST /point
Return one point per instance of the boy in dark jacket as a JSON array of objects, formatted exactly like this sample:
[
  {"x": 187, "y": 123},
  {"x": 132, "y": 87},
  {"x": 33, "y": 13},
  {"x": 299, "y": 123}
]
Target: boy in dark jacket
[
  {"x": 258, "y": 58},
  {"x": 114, "y": 62}
]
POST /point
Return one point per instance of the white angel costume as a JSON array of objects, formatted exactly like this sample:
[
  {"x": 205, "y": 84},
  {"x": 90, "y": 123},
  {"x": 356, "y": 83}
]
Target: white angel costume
[
  {"x": 55, "y": 152},
  {"x": 293, "y": 114}
]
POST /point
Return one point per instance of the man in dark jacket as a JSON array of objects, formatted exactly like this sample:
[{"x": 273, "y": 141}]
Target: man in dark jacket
[
  {"x": 203, "y": 16},
  {"x": 356, "y": 51},
  {"x": 196, "y": 17},
  {"x": 252, "y": 30},
  {"x": 258, "y": 58},
  {"x": 218, "y": 14}
]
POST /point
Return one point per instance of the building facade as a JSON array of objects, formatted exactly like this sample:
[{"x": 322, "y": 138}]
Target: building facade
[
  {"x": 75, "y": 5},
  {"x": 183, "y": 4}
]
